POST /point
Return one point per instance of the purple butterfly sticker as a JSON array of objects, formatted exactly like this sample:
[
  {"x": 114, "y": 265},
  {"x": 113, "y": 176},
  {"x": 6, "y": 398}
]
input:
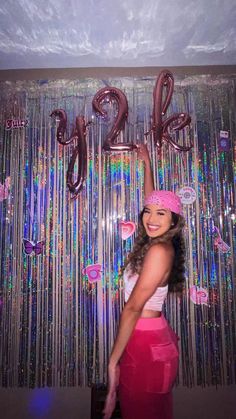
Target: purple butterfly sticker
[{"x": 30, "y": 247}]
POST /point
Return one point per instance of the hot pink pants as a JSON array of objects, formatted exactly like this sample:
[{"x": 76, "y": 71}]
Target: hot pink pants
[{"x": 148, "y": 369}]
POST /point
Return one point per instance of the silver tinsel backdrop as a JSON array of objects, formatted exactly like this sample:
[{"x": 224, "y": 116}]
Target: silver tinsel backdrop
[{"x": 59, "y": 309}]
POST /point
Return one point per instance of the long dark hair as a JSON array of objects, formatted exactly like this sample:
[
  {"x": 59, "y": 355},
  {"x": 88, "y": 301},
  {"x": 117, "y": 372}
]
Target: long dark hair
[{"x": 143, "y": 242}]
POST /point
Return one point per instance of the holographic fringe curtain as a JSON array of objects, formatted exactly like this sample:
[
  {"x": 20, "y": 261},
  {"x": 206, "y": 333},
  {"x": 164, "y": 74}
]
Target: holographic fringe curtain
[{"x": 57, "y": 328}]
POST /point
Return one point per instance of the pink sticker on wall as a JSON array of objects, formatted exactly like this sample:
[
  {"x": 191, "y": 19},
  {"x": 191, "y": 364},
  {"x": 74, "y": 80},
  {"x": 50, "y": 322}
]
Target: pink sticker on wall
[
  {"x": 4, "y": 188},
  {"x": 224, "y": 141},
  {"x": 198, "y": 295},
  {"x": 16, "y": 123},
  {"x": 219, "y": 242},
  {"x": 187, "y": 195},
  {"x": 93, "y": 272},
  {"x": 127, "y": 229}
]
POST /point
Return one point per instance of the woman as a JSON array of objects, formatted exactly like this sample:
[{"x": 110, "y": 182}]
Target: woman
[{"x": 144, "y": 360}]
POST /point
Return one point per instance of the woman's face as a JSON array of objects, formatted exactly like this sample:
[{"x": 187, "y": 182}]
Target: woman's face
[{"x": 156, "y": 220}]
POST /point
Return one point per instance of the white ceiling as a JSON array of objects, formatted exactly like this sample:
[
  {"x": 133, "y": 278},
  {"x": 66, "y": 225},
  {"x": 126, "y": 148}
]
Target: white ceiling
[{"x": 116, "y": 33}]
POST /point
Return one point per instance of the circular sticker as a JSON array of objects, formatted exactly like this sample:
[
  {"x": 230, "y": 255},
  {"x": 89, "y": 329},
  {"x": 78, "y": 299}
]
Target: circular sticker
[{"x": 187, "y": 195}]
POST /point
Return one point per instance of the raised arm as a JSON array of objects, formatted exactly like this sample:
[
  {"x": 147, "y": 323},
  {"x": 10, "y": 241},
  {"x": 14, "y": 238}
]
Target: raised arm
[{"x": 148, "y": 175}]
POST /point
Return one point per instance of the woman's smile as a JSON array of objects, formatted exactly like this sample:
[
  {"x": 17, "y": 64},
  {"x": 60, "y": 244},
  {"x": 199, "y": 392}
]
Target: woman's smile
[{"x": 152, "y": 227}]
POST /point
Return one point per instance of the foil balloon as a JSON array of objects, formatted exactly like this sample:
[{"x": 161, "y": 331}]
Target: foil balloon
[
  {"x": 61, "y": 129},
  {"x": 162, "y": 95},
  {"x": 80, "y": 151},
  {"x": 119, "y": 122},
  {"x": 78, "y": 134}
]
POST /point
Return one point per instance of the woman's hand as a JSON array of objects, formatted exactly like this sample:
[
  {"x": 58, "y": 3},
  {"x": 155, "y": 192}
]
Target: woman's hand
[
  {"x": 143, "y": 154},
  {"x": 113, "y": 379}
]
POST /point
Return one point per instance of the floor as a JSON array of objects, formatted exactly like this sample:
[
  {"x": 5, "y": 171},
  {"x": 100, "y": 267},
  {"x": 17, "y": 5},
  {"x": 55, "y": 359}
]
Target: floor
[{"x": 75, "y": 403}]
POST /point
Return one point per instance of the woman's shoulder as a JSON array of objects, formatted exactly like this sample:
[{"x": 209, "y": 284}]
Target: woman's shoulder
[
  {"x": 158, "y": 261},
  {"x": 160, "y": 249}
]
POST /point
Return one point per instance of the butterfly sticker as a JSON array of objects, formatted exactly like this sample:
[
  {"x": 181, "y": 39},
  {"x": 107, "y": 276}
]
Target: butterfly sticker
[
  {"x": 93, "y": 272},
  {"x": 127, "y": 229},
  {"x": 30, "y": 247},
  {"x": 4, "y": 189}
]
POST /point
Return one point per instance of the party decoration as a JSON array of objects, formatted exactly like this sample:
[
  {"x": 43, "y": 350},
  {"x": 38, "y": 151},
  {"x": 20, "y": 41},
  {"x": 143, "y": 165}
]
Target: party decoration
[
  {"x": 31, "y": 247},
  {"x": 116, "y": 94},
  {"x": 61, "y": 129},
  {"x": 80, "y": 151},
  {"x": 176, "y": 122},
  {"x": 93, "y": 272},
  {"x": 16, "y": 123},
  {"x": 198, "y": 295},
  {"x": 224, "y": 141},
  {"x": 4, "y": 189},
  {"x": 187, "y": 195},
  {"x": 57, "y": 328},
  {"x": 219, "y": 242},
  {"x": 127, "y": 229},
  {"x": 79, "y": 135}
]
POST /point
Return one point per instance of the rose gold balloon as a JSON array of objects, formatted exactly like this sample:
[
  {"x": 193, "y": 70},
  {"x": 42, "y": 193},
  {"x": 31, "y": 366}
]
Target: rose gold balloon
[
  {"x": 178, "y": 122},
  {"x": 162, "y": 95},
  {"x": 119, "y": 123},
  {"x": 164, "y": 83},
  {"x": 80, "y": 151},
  {"x": 61, "y": 129}
]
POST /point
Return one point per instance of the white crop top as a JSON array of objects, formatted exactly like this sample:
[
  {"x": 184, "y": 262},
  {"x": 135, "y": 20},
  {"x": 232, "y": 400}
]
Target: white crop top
[{"x": 157, "y": 299}]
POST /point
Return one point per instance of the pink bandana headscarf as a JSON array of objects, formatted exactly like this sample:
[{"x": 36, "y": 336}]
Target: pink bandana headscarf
[{"x": 166, "y": 199}]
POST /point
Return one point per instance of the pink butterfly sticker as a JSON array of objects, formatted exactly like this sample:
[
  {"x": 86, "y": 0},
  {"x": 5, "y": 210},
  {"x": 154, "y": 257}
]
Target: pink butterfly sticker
[
  {"x": 218, "y": 242},
  {"x": 198, "y": 295},
  {"x": 93, "y": 272},
  {"x": 4, "y": 189},
  {"x": 127, "y": 229}
]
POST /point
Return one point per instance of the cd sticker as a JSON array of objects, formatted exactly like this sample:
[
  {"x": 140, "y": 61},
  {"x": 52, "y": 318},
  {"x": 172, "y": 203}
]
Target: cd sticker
[{"x": 187, "y": 195}]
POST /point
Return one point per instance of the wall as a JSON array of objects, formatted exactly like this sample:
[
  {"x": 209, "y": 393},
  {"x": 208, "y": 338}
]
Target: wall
[{"x": 75, "y": 402}]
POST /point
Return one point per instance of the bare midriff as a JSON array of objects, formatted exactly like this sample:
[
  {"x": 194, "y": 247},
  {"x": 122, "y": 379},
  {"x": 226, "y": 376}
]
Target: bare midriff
[{"x": 148, "y": 314}]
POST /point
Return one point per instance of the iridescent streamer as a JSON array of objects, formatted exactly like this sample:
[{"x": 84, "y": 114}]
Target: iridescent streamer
[{"x": 57, "y": 329}]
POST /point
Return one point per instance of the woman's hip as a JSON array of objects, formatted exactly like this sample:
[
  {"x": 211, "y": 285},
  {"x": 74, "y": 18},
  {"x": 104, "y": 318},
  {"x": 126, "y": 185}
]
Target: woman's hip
[{"x": 150, "y": 360}]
